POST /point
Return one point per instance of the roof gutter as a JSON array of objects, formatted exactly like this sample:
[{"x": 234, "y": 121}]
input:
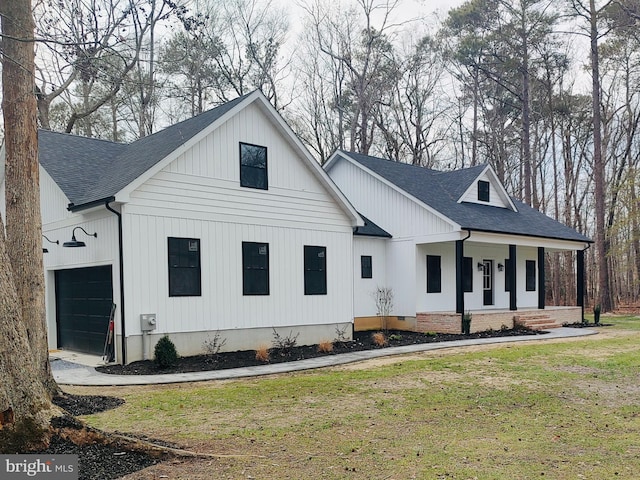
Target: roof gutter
[
  {"x": 86, "y": 206},
  {"x": 121, "y": 269}
]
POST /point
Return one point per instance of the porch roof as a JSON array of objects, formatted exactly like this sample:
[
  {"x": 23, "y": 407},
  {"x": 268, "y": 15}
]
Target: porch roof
[{"x": 441, "y": 191}]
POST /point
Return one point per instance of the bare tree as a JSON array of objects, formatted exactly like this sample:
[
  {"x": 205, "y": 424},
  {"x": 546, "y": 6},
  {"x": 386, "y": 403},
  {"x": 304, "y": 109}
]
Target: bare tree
[{"x": 365, "y": 53}]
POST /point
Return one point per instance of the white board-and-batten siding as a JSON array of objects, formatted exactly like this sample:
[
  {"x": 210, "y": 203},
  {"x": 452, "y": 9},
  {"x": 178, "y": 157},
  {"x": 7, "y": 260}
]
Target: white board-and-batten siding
[
  {"x": 393, "y": 211},
  {"x": 364, "y": 288},
  {"x": 199, "y": 196}
]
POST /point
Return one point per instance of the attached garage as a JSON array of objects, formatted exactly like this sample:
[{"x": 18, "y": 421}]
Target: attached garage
[{"x": 83, "y": 304}]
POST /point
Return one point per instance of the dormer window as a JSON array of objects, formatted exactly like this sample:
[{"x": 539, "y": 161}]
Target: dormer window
[{"x": 483, "y": 191}]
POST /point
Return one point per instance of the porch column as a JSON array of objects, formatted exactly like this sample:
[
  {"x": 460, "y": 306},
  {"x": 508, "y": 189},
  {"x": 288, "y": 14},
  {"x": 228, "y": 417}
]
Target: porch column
[
  {"x": 459, "y": 272},
  {"x": 511, "y": 270},
  {"x": 580, "y": 280},
  {"x": 541, "y": 280}
]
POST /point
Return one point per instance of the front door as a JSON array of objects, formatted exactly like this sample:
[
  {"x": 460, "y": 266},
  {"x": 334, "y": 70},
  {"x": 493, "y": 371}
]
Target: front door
[{"x": 487, "y": 282}]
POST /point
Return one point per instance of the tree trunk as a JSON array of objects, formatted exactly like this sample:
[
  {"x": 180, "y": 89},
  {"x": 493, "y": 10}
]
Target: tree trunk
[
  {"x": 604, "y": 292},
  {"x": 24, "y": 361},
  {"x": 526, "y": 114}
]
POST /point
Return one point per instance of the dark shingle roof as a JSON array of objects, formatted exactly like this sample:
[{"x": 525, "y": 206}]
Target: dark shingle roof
[
  {"x": 441, "y": 191},
  {"x": 88, "y": 170},
  {"x": 370, "y": 229}
]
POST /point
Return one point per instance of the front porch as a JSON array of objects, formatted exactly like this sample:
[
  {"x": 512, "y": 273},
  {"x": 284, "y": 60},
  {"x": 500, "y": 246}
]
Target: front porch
[{"x": 482, "y": 320}]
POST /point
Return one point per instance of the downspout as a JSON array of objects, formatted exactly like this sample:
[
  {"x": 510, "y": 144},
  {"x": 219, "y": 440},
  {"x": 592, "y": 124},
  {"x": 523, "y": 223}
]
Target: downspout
[
  {"x": 121, "y": 267},
  {"x": 460, "y": 286}
]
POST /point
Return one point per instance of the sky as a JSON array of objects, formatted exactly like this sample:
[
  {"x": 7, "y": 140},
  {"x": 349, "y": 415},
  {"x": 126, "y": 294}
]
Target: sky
[{"x": 405, "y": 10}]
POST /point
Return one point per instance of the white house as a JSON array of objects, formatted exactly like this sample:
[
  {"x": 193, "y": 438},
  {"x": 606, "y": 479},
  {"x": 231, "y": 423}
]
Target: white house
[
  {"x": 221, "y": 223},
  {"x": 448, "y": 243}
]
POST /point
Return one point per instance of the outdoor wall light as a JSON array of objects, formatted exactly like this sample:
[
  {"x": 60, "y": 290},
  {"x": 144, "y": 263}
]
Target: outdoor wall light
[
  {"x": 500, "y": 267},
  {"x": 480, "y": 266},
  {"x": 76, "y": 243},
  {"x": 44, "y": 250}
]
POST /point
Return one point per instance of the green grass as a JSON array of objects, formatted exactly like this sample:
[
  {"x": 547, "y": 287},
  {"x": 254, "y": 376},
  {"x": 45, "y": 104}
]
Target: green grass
[{"x": 562, "y": 409}]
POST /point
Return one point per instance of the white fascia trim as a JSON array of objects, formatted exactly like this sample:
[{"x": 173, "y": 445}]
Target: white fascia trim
[
  {"x": 441, "y": 237},
  {"x": 526, "y": 241},
  {"x": 333, "y": 160}
]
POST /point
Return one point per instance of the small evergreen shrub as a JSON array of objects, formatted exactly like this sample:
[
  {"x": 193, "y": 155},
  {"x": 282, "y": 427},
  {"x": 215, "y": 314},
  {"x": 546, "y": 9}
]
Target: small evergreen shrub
[
  {"x": 165, "y": 354},
  {"x": 596, "y": 314},
  {"x": 466, "y": 323}
]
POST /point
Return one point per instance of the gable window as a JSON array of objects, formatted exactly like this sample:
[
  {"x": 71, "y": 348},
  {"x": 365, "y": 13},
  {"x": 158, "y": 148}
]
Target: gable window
[
  {"x": 366, "y": 268},
  {"x": 255, "y": 268},
  {"x": 434, "y": 274},
  {"x": 467, "y": 274},
  {"x": 531, "y": 276},
  {"x": 253, "y": 166},
  {"x": 184, "y": 267},
  {"x": 315, "y": 270},
  {"x": 483, "y": 191}
]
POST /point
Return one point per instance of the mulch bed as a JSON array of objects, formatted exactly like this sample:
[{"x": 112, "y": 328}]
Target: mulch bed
[{"x": 247, "y": 358}]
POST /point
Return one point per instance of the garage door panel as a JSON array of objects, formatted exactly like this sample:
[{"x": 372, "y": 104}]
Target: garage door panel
[{"x": 83, "y": 297}]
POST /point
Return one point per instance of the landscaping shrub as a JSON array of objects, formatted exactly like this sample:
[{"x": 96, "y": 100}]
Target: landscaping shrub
[
  {"x": 284, "y": 344},
  {"x": 326, "y": 346},
  {"x": 263, "y": 354},
  {"x": 379, "y": 339},
  {"x": 596, "y": 314},
  {"x": 213, "y": 347},
  {"x": 165, "y": 353},
  {"x": 466, "y": 323}
]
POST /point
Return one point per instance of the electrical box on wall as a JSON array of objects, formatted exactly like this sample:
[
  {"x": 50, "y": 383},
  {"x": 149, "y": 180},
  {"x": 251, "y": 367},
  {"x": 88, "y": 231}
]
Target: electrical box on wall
[{"x": 147, "y": 321}]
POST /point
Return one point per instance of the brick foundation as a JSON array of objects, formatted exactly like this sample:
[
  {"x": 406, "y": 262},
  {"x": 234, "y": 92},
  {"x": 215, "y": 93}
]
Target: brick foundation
[{"x": 450, "y": 322}]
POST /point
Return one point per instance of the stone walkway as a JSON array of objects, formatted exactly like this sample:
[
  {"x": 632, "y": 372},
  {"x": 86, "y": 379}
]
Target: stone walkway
[{"x": 76, "y": 369}]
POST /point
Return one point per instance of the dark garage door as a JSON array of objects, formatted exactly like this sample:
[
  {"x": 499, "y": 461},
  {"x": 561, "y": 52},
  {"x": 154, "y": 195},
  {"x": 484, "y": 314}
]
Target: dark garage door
[{"x": 83, "y": 304}]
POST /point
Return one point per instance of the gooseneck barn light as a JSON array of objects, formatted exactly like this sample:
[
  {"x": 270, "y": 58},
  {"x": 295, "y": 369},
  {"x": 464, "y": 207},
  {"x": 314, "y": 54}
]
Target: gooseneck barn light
[
  {"x": 76, "y": 243},
  {"x": 44, "y": 250}
]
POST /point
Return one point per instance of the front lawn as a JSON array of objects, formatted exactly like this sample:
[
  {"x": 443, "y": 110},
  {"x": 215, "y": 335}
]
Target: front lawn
[{"x": 548, "y": 409}]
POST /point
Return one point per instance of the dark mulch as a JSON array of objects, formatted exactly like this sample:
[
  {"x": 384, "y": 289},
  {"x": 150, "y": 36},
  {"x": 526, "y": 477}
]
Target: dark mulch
[
  {"x": 97, "y": 461},
  {"x": 86, "y": 404},
  {"x": 247, "y": 358},
  {"x": 101, "y": 462},
  {"x": 587, "y": 325}
]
